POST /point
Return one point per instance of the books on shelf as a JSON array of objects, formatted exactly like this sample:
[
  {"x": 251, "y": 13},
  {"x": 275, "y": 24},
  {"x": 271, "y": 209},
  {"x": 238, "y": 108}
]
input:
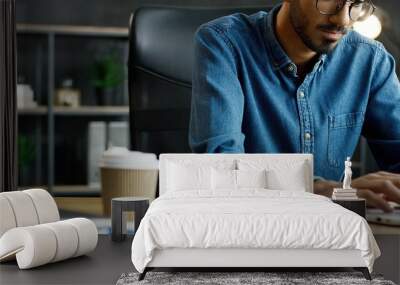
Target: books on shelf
[
  {"x": 96, "y": 147},
  {"x": 344, "y": 194},
  {"x": 25, "y": 97},
  {"x": 118, "y": 134},
  {"x": 345, "y": 191},
  {"x": 100, "y": 136}
]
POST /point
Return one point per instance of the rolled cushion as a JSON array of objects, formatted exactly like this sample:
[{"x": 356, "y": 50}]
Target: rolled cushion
[
  {"x": 23, "y": 208},
  {"x": 46, "y": 207},
  {"x": 41, "y": 244},
  {"x": 33, "y": 246},
  {"x": 87, "y": 235},
  {"x": 26, "y": 208},
  {"x": 7, "y": 218},
  {"x": 66, "y": 238}
]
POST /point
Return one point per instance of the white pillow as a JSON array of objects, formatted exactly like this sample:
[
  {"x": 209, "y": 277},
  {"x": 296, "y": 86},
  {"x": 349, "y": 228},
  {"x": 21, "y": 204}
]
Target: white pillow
[
  {"x": 251, "y": 178},
  {"x": 292, "y": 179},
  {"x": 223, "y": 179},
  {"x": 204, "y": 161},
  {"x": 181, "y": 177},
  {"x": 236, "y": 179},
  {"x": 281, "y": 174}
]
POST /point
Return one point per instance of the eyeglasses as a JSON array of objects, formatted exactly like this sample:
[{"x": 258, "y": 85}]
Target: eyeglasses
[{"x": 359, "y": 10}]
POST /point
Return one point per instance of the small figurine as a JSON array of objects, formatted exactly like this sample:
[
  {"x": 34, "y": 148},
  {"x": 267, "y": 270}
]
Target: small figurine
[
  {"x": 346, "y": 192},
  {"x": 347, "y": 174}
]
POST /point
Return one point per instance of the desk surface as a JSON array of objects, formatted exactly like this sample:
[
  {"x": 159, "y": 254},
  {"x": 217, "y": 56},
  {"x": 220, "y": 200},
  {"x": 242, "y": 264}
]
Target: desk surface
[
  {"x": 102, "y": 266},
  {"x": 384, "y": 230}
]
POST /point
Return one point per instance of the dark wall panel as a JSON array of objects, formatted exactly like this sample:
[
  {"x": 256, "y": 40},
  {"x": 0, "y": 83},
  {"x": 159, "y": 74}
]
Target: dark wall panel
[
  {"x": 105, "y": 12},
  {"x": 116, "y": 13}
]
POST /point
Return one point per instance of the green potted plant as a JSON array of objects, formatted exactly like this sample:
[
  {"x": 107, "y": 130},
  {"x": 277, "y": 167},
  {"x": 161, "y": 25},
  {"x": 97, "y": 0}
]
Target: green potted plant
[{"x": 107, "y": 73}]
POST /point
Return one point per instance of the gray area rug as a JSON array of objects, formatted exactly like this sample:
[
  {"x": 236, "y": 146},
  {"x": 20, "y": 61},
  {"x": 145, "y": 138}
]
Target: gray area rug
[{"x": 269, "y": 278}]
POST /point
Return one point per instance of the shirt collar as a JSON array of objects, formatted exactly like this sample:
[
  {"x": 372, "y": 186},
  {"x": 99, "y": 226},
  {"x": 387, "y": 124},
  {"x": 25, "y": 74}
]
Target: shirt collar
[{"x": 279, "y": 57}]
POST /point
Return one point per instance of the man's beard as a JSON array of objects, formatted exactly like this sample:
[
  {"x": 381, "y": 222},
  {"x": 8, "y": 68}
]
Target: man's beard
[{"x": 300, "y": 23}]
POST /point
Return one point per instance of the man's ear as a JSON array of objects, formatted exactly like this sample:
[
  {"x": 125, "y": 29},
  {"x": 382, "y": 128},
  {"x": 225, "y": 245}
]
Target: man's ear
[{"x": 287, "y": 2}]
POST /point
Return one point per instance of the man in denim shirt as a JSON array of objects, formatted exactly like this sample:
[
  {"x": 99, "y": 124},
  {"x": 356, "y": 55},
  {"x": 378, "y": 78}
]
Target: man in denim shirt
[{"x": 299, "y": 80}]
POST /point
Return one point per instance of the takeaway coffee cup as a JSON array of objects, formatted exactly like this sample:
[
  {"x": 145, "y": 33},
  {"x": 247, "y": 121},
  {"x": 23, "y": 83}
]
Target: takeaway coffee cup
[{"x": 127, "y": 173}]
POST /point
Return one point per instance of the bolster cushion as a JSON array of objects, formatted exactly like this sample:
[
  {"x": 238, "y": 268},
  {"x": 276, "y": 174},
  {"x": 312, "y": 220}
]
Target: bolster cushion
[
  {"x": 40, "y": 244},
  {"x": 7, "y": 219},
  {"x": 26, "y": 208}
]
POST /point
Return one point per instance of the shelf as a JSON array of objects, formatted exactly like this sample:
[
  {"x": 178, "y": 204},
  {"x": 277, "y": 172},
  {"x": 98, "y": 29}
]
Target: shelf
[
  {"x": 78, "y": 111},
  {"x": 92, "y": 111},
  {"x": 82, "y": 205},
  {"x": 75, "y": 190},
  {"x": 40, "y": 110},
  {"x": 96, "y": 31},
  {"x": 69, "y": 190}
]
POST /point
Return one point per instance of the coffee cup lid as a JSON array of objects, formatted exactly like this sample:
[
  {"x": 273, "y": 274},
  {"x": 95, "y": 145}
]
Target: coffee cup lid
[{"x": 121, "y": 157}]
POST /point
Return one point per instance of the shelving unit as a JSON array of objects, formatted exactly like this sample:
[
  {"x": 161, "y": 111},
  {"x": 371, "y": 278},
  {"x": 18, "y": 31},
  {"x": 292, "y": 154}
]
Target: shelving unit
[
  {"x": 73, "y": 30},
  {"x": 50, "y": 112},
  {"x": 68, "y": 190},
  {"x": 37, "y": 111},
  {"x": 78, "y": 111}
]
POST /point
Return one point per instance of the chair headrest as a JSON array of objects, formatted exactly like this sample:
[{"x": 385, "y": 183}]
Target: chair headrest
[{"x": 161, "y": 38}]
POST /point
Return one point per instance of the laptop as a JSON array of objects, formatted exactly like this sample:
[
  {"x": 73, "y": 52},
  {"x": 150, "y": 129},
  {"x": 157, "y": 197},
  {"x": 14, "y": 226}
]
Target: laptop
[{"x": 380, "y": 217}]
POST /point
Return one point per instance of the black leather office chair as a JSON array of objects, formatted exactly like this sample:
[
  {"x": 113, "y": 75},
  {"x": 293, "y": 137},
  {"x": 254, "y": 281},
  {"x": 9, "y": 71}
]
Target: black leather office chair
[{"x": 160, "y": 74}]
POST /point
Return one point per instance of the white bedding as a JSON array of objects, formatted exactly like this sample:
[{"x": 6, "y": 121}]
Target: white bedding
[{"x": 251, "y": 218}]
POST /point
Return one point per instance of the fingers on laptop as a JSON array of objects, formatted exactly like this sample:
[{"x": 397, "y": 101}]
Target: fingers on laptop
[{"x": 374, "y": 199}]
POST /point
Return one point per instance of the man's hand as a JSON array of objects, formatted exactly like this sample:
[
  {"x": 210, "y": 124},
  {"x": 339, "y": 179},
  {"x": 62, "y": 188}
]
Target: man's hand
[{"x": 377, "y": 188}]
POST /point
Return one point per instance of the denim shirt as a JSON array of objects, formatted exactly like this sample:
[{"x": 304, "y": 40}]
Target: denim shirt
[{"x": 247, "y": 96}]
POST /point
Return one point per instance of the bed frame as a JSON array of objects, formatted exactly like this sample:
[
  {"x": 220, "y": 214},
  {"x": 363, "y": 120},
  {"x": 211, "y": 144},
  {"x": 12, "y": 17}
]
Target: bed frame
[{"x": 242, "y": 259}]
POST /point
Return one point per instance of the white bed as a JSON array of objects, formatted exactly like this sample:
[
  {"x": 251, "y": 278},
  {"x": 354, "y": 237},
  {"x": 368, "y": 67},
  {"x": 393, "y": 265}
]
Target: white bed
[{"x": 201, "y": 223}]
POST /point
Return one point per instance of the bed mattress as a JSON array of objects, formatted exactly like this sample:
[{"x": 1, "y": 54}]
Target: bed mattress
[{"x": 251, "y": 219}]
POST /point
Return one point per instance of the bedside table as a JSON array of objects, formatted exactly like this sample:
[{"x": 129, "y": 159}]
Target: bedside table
[
  {"x": 119, "y": 205},
  {"x": 357, "y": 205}
]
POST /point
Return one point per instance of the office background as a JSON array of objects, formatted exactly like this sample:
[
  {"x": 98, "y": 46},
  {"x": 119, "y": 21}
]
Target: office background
[{"x": 74, "y": 56}]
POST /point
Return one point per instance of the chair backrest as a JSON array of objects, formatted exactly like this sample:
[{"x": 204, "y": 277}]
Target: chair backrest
[{"x": 160, "y": 69}]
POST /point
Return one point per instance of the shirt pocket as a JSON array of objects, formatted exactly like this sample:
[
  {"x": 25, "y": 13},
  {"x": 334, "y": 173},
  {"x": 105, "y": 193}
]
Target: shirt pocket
[{"x": 344, "y": 133}]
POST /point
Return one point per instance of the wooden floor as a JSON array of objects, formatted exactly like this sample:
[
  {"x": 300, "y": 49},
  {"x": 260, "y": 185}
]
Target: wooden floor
[{"x": 102, "y": 266}]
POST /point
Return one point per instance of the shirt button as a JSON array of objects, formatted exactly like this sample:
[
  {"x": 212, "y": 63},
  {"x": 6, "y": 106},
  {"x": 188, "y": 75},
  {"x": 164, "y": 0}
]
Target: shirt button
[
  {"x": 290, "y": 68},
  {"x": 301, "y": 94},
  {"x": 307, "y": 136}
]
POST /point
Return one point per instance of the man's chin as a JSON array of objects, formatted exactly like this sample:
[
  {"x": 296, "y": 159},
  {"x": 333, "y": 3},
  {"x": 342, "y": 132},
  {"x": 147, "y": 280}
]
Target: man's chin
[
  {"x": 325, "y": 47},
  {"x": 319, "y": 45}
]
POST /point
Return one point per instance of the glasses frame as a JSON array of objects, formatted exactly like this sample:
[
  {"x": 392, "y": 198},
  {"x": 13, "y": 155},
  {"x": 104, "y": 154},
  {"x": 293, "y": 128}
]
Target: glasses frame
[{"x": 351, "y": 6}]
